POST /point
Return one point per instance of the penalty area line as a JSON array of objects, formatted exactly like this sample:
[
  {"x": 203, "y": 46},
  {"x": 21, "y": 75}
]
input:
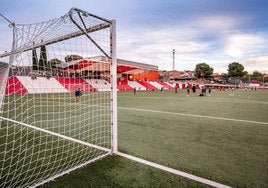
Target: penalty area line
[
  {"x": 174, "y": 171},
  {"x": 193, "y": 115}
]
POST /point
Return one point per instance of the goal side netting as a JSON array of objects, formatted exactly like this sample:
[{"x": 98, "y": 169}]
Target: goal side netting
[{"x": 57, "y": 98}]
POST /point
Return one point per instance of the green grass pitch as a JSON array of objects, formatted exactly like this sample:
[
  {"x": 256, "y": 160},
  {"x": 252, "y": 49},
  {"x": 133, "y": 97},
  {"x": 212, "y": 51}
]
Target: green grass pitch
[{"x": 222, "y": 137}]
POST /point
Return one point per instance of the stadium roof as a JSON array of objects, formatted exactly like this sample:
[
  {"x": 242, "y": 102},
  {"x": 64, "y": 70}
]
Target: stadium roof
[{"x": 100, "y": 63}]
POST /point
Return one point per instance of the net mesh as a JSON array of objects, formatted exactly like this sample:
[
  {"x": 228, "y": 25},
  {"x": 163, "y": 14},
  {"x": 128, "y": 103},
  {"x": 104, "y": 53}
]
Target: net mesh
[{"x": 55, "y": 98}]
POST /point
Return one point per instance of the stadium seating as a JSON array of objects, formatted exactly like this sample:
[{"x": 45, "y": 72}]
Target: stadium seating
[
  {"x": 136, "y": 85},
  {"x": 99, "y": 84},
  {"x": 71, "y": 84},
  {"x": 26, "y": 84},
  {"x": 166, "y": 85},
  {"x": 123, "y": 86},
  {"x": 14, "y": 86},
  {"x": 156, "y": 84},
  {"x": 41, "y": 85},
  {"x": 148, "y": 85}
]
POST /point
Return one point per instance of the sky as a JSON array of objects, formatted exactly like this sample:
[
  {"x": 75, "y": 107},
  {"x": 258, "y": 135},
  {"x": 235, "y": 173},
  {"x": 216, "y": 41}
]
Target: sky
[{"x": 216, "y": 32}]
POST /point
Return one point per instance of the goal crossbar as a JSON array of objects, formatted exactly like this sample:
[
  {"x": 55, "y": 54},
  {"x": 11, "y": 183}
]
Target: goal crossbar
[{"x": 58, "y": 39}]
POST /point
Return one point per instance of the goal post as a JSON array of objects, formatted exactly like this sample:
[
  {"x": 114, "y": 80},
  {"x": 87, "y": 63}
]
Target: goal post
[
  {"x": 53, "y": 118},
  {"x": 114, "y": 88}
]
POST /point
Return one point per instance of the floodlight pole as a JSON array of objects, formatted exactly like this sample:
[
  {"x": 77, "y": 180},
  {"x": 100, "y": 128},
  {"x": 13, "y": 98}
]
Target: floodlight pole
[{"x": 173, "y": 59}]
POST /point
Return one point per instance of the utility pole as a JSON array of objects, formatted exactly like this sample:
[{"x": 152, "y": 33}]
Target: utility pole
[{"x": 173, "y": 59}]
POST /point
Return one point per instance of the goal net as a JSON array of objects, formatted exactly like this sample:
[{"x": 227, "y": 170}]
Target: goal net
[{"x": 57, "y": 98}]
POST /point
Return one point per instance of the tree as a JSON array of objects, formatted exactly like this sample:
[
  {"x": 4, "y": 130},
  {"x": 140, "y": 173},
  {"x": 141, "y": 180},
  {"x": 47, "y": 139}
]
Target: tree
[
  {"x": 69, "y": 58},
  {"x": 235, "y": 69},
  {"x": 258, "y": 76},
  {"x": 203, "y": 70},
  {"x": 43, "y": 58},
  {"x": 34, "y": 59},
  {"x": 51, "y": 64},
  {"x": 3, "y": 65}
]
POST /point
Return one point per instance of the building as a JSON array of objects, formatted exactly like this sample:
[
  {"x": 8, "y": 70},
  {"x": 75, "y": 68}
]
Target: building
[{"x": 97, "y": 67}]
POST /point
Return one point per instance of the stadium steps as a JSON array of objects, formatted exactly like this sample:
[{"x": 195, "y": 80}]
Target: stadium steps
[
  {"x": 71, "y": 84},
  {"x": 14, "y": 86},
  {"x": 99, "y": 84},
  {"x": 156, "y": 84},
  {"x": 136, "y": 85},
  {"x": 148, "y": 85},
  {"x": 123, "y": 86},
  {"x": 41, "y": 85},
  {"x": 166, "y": 85}
]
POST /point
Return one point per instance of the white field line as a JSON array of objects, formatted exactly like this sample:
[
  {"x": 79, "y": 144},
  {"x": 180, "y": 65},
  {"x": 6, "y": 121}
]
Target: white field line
[
  {"x": 237, "y": 100},
  {"x": 57, "y": 134},
  {"x": 204, "y": 99},
  {"x": 177, "y": 113},
  {"x": 174, "y": 171},
  {"x": 193, "y": 115},
  {"x": 69, "y": 170}
]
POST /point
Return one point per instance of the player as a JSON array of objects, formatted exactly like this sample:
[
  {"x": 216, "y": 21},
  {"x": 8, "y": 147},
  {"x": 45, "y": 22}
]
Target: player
[
  {"x": 188, "y": 89},
  {"x": 176, "y": 88},
  {"x": 194, "y": 88},
  {"x": 209, "y": 90},
  {"x": 78, "y": 94}
]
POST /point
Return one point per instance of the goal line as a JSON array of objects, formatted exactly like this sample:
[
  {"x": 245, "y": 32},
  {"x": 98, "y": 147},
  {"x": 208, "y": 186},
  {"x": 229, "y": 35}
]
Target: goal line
[
  {"x": 58, "y": 135},
  {"x": 155, "y": 165},
  {"x": 174, "y": 171}
]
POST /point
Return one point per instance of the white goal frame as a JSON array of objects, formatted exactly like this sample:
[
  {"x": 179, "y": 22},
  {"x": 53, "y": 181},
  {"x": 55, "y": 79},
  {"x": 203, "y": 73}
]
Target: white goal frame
[{"x": 111, "y": 56}]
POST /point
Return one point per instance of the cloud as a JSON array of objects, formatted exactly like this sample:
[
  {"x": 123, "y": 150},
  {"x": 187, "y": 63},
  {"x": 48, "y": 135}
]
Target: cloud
[
  {"x": 156, "y": 46},
  {"x": 216, "y": 23},
  {"x": 239, "y": 45},
  {"x": 216, "y": 33},
  {"x": 194, "y": 41},
  {"x": 257, "y": 60}
]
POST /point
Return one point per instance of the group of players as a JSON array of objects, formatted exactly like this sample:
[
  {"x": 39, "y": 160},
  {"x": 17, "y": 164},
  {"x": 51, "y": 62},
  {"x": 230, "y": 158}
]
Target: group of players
[
  {"x": 78, "y": 92},
  {"x": 203, "y": 90}
]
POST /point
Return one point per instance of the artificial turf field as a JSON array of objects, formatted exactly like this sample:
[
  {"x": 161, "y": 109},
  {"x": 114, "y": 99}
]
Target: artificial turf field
[{"x": 222, "y": 137}]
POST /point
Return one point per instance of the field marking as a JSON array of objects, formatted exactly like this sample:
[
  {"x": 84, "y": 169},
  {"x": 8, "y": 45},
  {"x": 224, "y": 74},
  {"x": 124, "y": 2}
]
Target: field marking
[
  {"x": 204, "y": 99},
  {"x": 174, "y": 171},
  {"x": 194, "y": 115},
  {"x": 178, "y": 113},
  {"x": 57, "y": 134},
  {"x": 69, "y": 170}
]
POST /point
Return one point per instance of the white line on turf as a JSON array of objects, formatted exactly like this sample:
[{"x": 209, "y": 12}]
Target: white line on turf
[
  {"x": 182, "y": 114},
  {"x": 204, "y": 99},
  {"x": 57, "y": 134},
  {"x": 174, "y": 171},
  {"x": 193, "y": 115}
]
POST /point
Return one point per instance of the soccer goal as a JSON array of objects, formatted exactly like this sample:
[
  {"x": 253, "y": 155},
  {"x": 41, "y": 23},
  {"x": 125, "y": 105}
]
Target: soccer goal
[{"x": 53, "y": 120}]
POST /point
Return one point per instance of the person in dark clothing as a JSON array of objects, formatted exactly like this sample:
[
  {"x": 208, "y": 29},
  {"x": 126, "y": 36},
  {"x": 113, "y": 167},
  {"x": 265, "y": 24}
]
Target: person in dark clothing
[
  {"x": 78, "y": 94},
  {"x": 194, "y": 88},
  {"x": 188, "y": 89},
  {"x": 209, "y": 90}
]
